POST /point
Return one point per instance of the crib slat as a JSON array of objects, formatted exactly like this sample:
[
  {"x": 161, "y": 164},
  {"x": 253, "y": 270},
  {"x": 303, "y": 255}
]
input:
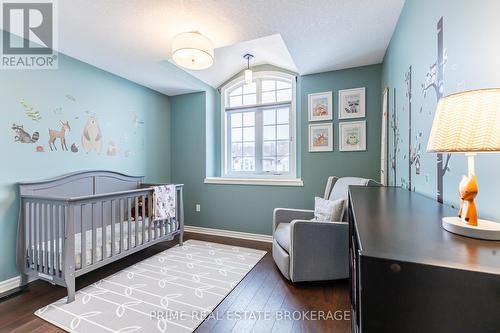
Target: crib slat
[
  {"x": 104, "y": 230},
  {"x": 40, "y": 237},
  {"x": 150, "y": 218},
  {"x": 94, "y": 240},
  {"x": 144, "y": 207},
  {"x": 50, "y": 231},
  {"x": 129, "y": 225},
  {"x": 30, "y": 233},
  {"x": 55, "y": 254},
  {"x": 122, "y": 219},
  {"x": 50, "y": 242},
  {"x": 155, "y": 229},
  {"x": 83, "y": 238},
  {"x": 44, "y": 238},
  {"x": 28, "y": 217},
  {"x": 46, "y": 226},
  {"x": 25, "y": 221},
  {"x": 39, "y": 223},
  {"x": 47, "y": 238},
  {"x": 113, "y": 226},
  {"x": 136, "y": 217},
  {"x": 35, "y": 236},
  {"x": 58, "y": 235}
]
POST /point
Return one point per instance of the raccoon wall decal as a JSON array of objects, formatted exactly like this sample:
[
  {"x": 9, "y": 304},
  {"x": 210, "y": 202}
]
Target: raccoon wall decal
[
  {"x": 92, "y": 136},
  {"x": 24, "y": 137}
]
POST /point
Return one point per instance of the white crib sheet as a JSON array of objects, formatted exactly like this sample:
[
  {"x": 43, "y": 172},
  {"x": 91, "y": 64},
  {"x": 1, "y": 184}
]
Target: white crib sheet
[{"x": 170, "y": 227}]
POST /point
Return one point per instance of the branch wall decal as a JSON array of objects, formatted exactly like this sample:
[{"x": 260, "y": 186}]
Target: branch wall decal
[{"x": 435, "y": 79}]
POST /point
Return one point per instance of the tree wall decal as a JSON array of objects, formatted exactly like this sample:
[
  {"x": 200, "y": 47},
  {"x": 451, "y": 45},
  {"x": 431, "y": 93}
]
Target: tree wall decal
[
  {"x": 411, "y": 152},
  {"x": 395, "y": 138},
  {"x": 434, "y": 78}
]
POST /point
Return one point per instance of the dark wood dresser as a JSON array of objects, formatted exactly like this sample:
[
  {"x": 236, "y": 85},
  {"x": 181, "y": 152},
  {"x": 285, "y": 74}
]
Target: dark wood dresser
[{"x": 410, "y": 275}]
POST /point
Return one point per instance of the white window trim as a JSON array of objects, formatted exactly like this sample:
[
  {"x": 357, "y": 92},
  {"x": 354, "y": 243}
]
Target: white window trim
[
  {"x": 254, "y": 181},
  {"x": 289, "y": 179}
]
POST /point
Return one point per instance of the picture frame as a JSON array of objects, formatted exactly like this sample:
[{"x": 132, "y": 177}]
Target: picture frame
[
  {"x": 320, "y": 106},
  {"x": 321, "y": 137},
  {"x": 352, "y": 103},
  {"x": 352, "y": 136}
]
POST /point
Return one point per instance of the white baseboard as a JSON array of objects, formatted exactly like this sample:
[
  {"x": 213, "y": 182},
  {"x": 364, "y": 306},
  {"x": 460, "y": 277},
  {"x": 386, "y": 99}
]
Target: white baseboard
[
  {"x": 229, "y": 233},
  {"x": 10, "y": 284},
  {"x": 13, "y": 283}
]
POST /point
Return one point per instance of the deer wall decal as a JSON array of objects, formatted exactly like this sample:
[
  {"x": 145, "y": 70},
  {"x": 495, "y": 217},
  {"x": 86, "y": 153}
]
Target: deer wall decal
[{"x": 61, "y": 135}]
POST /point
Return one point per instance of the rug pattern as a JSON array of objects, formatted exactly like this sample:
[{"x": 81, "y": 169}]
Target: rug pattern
[{"x": 172, "y": 291}]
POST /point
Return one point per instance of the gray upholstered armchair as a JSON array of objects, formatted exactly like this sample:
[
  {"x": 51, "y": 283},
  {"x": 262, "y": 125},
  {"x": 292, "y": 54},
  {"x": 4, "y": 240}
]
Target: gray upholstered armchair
[{"x": 307, "y": 250}]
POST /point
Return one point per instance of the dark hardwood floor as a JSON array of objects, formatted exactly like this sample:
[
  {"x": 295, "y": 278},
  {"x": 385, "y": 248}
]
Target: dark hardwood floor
[{"x": 263, "y": 301}]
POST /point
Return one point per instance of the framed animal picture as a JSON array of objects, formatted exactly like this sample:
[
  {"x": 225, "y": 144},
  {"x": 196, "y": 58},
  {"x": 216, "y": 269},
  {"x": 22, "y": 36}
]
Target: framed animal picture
[
  {"x": 352, "y": 136},
  {"x": 320, "y": 137},
  {"x": 320, "y": 106},
  {"x": 352, "y": 103}
]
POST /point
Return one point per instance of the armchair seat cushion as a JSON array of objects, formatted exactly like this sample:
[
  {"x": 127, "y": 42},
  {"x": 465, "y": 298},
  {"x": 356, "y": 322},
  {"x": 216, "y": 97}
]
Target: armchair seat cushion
[{"x": 282, "y": 235}]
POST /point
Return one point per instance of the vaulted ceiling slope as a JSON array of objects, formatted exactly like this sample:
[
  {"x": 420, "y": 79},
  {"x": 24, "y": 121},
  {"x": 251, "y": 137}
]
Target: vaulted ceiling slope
[{"x": 133, "y": 38}]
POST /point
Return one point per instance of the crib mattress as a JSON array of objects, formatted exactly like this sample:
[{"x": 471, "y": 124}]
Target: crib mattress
[{"x": 167, "y": 228}]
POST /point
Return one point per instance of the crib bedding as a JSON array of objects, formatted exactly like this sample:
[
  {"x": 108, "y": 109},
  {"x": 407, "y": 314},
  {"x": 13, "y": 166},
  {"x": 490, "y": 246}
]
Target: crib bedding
[{"x": 167, "y": 228}]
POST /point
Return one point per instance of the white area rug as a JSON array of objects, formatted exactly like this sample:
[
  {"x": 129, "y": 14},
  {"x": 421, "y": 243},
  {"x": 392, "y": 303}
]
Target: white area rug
[{"x": 173, "y": 291}]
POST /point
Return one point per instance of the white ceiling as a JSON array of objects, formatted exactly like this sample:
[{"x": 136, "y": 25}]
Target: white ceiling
[
  {"x": 133, "y": 38},
  {"x": 228, "y": 60}
]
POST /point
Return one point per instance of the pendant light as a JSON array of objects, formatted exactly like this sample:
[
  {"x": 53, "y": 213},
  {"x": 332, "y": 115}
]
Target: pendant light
[
  {"x": 248, "y": 71},
  {"x": 192, "y": 50}
]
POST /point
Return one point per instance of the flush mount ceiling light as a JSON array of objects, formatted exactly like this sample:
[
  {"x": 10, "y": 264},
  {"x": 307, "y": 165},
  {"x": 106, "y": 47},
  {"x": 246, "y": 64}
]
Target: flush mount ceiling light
[
  {"x": 192, "y": 50},
  {"x": 248, "y": 71}
]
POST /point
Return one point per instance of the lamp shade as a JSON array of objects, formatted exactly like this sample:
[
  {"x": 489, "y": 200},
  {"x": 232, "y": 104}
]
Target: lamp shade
[
  {"x": 192, "y": 50},
  {"x": 248, "y": 76},
  {"x": 467, "y": 122}
]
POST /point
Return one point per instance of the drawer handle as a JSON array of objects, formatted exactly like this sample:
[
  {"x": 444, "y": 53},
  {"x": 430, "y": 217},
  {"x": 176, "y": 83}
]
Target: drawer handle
[{"x": 396, "y": 268}]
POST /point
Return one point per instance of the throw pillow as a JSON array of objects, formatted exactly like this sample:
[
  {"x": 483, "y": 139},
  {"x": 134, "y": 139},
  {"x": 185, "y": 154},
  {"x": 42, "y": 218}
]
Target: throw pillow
[{"x": 328, "y": 210}]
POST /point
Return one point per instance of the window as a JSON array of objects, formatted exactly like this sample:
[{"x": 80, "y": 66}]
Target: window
[{"x": 259, "y": 127}]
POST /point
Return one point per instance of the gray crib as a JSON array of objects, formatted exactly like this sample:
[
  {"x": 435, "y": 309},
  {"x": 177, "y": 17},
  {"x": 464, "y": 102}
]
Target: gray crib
[{"x": 76, "y": 223}]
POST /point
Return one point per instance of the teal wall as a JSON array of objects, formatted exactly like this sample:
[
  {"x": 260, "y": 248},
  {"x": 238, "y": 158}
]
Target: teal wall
[
  {"x": 135, "y": 118},
  {"x": 249, "y": 208},
  {"x": 471, "y": 56}
]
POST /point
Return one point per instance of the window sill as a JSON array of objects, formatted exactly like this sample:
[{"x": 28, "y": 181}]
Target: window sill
[{"x": 254, "y": 181}]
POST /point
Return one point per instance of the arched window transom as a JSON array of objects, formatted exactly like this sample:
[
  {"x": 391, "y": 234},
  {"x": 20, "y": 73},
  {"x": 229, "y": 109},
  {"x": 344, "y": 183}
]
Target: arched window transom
[{"x": 258, "y": 127}]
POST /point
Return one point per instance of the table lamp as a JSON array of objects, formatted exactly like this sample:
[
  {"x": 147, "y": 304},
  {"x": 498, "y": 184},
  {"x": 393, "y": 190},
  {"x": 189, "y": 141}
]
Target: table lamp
[{"x": 468, "y": 122}]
